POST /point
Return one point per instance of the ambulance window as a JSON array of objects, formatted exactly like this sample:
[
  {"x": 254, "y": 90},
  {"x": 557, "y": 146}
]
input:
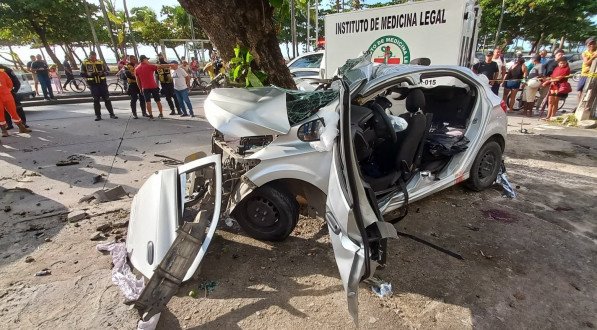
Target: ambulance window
[{"x": 309, "y": 61}]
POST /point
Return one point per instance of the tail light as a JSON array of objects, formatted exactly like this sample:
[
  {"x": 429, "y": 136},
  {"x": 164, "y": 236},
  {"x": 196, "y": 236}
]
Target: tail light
[{"x": 504, "y": 106}]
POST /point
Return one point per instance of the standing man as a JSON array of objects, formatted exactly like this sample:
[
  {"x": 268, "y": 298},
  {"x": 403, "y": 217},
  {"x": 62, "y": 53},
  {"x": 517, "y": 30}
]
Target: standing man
[
  {"x": 588, "y": 56},
  {"x": 544, "y": 58},
  {"x": 490, "y": 69},
  {"x": 165, "y": 78},
  {"x": 547, "y": 71},
  {"x": 40, "y": 67},
  {"x": 33, "y": 75},
  {"x": 16, "y": 84},
  {"x": 497, "y": 58},
  {"x": 95, "y": 72},
  {"x": 68, "y": 71},
  {"x": 182, "y": 81},
  {"x": 134, "y": 91},
  {"x": 145, "y": 73}
]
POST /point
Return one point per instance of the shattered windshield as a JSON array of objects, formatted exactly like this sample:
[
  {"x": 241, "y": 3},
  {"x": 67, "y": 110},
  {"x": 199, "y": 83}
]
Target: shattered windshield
[{"x": 301, "y": 104}]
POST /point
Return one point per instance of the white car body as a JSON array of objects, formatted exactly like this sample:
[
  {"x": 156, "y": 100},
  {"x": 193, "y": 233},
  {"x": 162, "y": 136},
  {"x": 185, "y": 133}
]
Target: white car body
[{"x": 327, "y": 173}]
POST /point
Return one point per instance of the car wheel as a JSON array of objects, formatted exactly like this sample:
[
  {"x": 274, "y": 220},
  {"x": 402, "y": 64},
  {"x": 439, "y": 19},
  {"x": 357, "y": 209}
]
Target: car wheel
[
  {"x": 485, "y": 167},
  {"x": 269, "y": 213}
]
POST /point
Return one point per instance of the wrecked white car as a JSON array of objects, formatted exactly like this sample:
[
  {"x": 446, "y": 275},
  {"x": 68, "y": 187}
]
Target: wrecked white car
[{"x": 355, "y": 153}]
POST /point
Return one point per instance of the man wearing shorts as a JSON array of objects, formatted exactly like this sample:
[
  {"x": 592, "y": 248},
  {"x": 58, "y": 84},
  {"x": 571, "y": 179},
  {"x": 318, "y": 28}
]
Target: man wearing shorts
[
  {"x": 587, "y": 60},
  {"x": 145, "y": 74}
]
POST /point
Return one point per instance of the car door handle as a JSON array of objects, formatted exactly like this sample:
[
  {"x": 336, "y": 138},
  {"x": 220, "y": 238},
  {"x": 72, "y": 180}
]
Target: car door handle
[{"x": 332, "y": 222}]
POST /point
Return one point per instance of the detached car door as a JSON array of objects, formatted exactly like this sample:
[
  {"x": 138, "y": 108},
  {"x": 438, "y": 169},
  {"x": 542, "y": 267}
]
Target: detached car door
[{"x": 357, "y": 230}]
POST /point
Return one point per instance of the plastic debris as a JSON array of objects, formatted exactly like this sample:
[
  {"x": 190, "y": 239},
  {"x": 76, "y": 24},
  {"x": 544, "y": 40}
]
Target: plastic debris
[
  {"x": 43, "y": 272},
  {"x": 381, "y": 288},
  {"x": 150, "y": 324},
  {"x": 502, "y": 178},
  {"x": 327, "y": 133},
  {"x": 122, "y": 276}
]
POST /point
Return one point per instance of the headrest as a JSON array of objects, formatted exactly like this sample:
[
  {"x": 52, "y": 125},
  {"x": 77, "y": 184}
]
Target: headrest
[{"x": 415, "y": 100}]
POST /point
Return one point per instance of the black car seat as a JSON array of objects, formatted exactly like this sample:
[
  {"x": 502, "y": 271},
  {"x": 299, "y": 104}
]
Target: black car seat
[{"x": 410, "y": 140}]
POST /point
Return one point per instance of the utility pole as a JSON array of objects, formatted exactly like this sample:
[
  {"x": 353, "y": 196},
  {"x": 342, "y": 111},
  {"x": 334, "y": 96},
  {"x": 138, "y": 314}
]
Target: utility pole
[
  {"x": 128, "y": 21},
  {"x": 109, "y": 25},
  {"x": 309, "y": 39},
  {"x": 95, "y": 41},
  {"x": 293, "y": 29},
  {"x": 497, "y": 33}
]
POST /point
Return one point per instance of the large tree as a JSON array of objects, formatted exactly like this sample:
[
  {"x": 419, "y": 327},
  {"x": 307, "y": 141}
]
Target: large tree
[{"x": 249, "y": 24}]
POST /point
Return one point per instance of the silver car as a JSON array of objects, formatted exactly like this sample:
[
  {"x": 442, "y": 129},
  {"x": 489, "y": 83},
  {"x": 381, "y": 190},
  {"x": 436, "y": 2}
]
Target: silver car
[{"x": 355, "y": 152}]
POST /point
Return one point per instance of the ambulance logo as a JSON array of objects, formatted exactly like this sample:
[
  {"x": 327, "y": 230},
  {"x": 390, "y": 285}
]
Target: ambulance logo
[{"x": 389, "y": 50}]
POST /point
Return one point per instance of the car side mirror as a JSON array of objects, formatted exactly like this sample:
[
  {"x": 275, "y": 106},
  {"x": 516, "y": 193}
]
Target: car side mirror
[
  {"x": 421, "y": 61},
  {"x": 310, "y": 131}
]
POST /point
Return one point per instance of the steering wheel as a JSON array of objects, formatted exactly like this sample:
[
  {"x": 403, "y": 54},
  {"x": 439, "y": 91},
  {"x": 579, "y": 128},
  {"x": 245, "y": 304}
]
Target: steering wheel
[{"x": 380, "y": 111}]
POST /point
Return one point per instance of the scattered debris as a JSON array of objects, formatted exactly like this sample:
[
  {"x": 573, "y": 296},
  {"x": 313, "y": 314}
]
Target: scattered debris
[
  {"x": 97, "y": 178},
  {"x": 30, "y": 173},
  {"x": 563, "y": 208},
  {"x": 502, "y": 178},
  {"x": 193, "y": 293},
  {"x": 98, "y": 237},
  {"x": 7, "y": 208},
  {"x": 105, "y": 195},
  {"x": 471, "y": 227},
  {"x": 169, "y": 160},
  {"x": 75, "y": 216},
  {"x": 104, "y": 227},
  {"x": 575, "y": 286},
  {"x": 499, "y": 215},
  {"x": 47, "y": 240},
  {"x": 44, "y": 272},
  {"x": 71, "y": 160},
  {"x": 208, "y": 286},
  {"x": 380, "y": 288},
  {"x": 519, "y": 296},
  {"x": 486, "y": 256},
  {"x": 122, "y": 276},
  {"x": 29, "y": 259},
  {"x": 163, "y": 142}
]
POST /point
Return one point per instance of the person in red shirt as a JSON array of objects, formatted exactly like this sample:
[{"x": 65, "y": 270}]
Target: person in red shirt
[
  {"x": 145, "y": 74},
  {"x": 7, "y": 101},
  {"x": 558, "y": 77}
]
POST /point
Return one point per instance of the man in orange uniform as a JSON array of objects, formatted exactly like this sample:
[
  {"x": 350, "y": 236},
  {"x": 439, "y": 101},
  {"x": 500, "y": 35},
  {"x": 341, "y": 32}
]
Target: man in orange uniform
[{"x": 8, "y": 102}]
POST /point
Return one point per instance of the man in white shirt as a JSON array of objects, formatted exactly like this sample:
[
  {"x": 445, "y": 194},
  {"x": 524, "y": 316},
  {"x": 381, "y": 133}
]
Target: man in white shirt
[
  {"x": 497, "y": 58},
  {"x": 181, "y": 81}
]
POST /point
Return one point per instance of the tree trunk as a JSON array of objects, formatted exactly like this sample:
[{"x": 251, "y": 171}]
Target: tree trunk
[
  {"x": 155, "y": 49},
  {"x": 246, "y": 23},
  {"x": 175, "y": 53},
  {"x": 71, "y": 57},
  {"x": 42, "y": 36},
  {"x": 110, "y": 31}
]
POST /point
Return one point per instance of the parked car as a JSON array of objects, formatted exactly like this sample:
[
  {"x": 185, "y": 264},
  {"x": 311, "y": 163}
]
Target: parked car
[
  {"x": 25, "y": 91},
  {"x": 574, "y": 62},
  {"x": 305, "y": 69},
  {"x": 355, "y": 152}
]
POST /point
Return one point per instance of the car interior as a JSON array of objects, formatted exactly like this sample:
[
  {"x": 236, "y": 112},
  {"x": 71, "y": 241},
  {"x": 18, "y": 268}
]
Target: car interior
[{"x": 437, "y": 118}]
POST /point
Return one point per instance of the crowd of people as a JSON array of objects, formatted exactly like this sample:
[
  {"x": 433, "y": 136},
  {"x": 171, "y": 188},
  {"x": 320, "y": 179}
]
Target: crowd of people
[{"x": 543, "y": 75}]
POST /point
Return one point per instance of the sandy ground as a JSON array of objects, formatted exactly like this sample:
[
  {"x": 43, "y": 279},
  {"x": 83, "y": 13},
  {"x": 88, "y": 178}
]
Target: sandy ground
[{"x": 527, "y": 263}]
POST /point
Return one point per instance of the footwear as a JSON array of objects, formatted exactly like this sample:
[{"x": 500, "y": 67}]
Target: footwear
[
  {"x": 145, "y": 115},
  {"x": 135, "y": 117},
  {"x": 192, "y": 116},
  {"x": 4, "y": 131},
  {"x": 113, "y": 116},
  {"x": 9, "y": 127},
  {"x": 98, "y": 118},
  {"x": 160, "y": 115},
  {"x": 172, "y": 113},
  {"x": 184, "y": 115},
  {"x": 22, "y": 128},
  {"x": 150, "y": 116}
]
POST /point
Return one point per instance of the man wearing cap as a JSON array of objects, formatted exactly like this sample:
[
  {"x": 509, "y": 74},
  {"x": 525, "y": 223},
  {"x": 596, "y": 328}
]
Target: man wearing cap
[
  {"x": 146, "y": 80},
  {"x": 165, "y": 78},
  {"x": 95, "y": 72},
  {"x": 489, "y": 68},
  {"x": 547, "y": 71},
  {"x": 587, "y": 60},
  {"x": 134, "y": 91}
]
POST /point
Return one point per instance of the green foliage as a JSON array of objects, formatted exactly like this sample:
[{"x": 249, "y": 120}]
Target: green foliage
[{"x": 240, "y": 69}]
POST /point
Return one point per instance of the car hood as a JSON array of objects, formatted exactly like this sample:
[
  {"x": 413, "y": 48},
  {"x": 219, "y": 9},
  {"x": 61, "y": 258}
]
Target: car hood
[{"x": 247, "y": 111}]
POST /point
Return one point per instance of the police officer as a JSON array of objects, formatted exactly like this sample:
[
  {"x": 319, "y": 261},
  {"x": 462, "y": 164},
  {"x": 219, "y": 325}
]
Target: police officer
[
  {"x": 95, "y": 72},
  {"x": 165, "y": 77},
  {"x": 134, "y": 91},
  {"x": 16, "y": 86}
]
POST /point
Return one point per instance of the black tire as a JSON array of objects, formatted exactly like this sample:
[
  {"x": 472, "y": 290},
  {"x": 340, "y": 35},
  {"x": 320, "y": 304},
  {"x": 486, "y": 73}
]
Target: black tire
[
  {"x": 77, "y": 85},
  {"x": 269, "y": 213},
  {"x": 485, "y": 167}
]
